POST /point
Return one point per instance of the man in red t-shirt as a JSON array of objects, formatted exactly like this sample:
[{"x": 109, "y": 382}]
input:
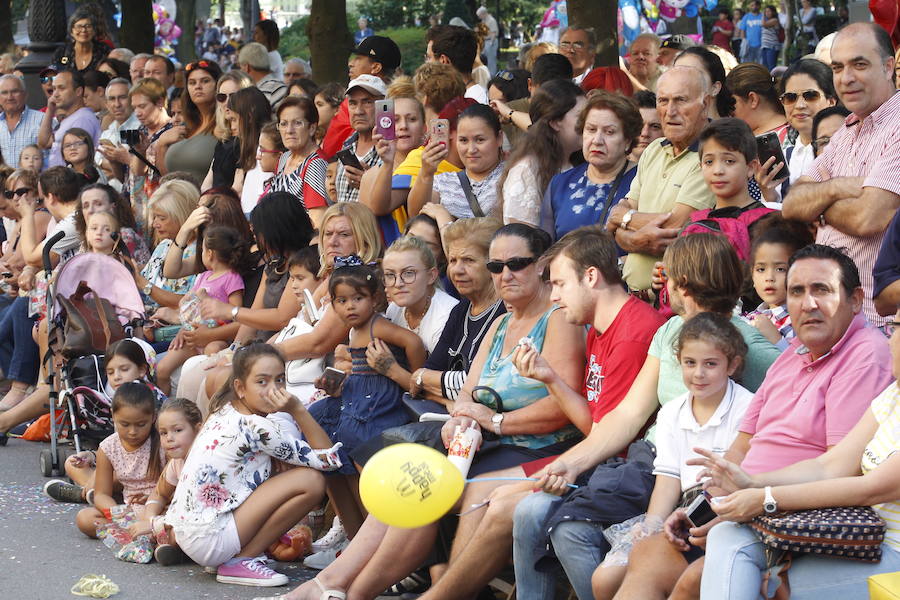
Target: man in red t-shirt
[
  {"x": 723, "y": 30},
  {"x": 375, "y": 55},
  {"x": 588, "y": 287}
]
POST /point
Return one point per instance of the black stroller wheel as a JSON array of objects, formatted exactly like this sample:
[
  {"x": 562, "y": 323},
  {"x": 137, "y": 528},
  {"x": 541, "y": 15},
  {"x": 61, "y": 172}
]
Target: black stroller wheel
[{"x": 46, "y": 463}]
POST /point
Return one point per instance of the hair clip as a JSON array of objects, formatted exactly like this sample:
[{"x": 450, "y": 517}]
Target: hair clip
[{"x": 347, "y": 261}]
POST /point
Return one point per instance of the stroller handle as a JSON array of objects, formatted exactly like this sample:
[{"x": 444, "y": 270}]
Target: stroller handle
[{"x": 48, "y": 246}]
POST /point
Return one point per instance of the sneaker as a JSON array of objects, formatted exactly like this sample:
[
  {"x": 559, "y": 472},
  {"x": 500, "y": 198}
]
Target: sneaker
[
  {"x": 167, "y": 554},
  {"x": 62, "y": 491},
  {"x": 334, "y": 536},
  {"x": 249, "y": 571},
  {"x": 322, "y": 559}
]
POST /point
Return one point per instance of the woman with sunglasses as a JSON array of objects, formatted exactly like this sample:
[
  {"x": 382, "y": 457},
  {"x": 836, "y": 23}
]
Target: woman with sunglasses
[
  {"x": 530, "y": 424},
  {"x": 19, "y": 360},
  {"x": 246, "y": 111},
  {"x": 301, "y": 170},
  {"x": 806, "y": 88},
  {"x": 83, "y": 50},
  {"x": 194, "y": 153}
]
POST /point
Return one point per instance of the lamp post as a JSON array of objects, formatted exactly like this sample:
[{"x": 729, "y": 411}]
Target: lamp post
[{"x": 47, "y": 31}]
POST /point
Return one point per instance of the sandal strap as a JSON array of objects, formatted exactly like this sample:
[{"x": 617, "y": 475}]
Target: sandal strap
[{"x": 326, "y": 593}]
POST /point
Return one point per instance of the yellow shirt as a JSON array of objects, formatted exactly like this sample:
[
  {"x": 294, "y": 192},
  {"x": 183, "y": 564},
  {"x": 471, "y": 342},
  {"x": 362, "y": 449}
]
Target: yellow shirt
[
  {"x": 886, "y": 408},
  {"x": 662, "y": 181}
]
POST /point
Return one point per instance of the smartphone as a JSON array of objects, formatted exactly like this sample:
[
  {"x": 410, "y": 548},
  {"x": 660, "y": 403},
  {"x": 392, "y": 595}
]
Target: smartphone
[
  {"x": 384, "y": 119},
  {"x": 132, "y": 137},
  {"x": 348, "y": 159},
  {"x": 440, "y": 131},
  {"x": 334, "y": 378},
  {"x": 700, "y": 512},
  {"x": 767, "y": 146}
]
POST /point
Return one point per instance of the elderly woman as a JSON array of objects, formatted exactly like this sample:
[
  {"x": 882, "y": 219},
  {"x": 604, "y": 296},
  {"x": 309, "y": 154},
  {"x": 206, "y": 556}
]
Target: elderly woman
[
  {"x": 442, "y": 377},
  {"x": 83, "y": 51},
  {"x": 191, "y": 148},
  {"x": 609, "y": 125},
  {"x": 530, "y": 424},
  {"x": 861, "y": 470}
]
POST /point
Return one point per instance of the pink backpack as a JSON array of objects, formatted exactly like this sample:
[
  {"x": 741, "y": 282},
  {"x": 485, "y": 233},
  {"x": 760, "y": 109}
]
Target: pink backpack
[{"x": 736, "y": 229}]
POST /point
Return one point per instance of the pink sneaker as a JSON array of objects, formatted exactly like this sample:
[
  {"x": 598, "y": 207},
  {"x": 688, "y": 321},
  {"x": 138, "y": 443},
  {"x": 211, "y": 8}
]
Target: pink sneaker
[{"x": 249, "y": 571}]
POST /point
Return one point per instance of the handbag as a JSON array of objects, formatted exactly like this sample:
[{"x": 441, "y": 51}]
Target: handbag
[
  {"x": 91, "y": 323},
  {"x": 854, "y": 532}
]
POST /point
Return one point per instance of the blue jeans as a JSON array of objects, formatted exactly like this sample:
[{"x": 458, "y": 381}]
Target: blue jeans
[
  {"x": 18, "y": 353},
  {"x": 749, "y": 54},
  {"x": 735, "y": 561},
  {"x": 769, "y": 58},
  {"x": 579, "y": 546}
]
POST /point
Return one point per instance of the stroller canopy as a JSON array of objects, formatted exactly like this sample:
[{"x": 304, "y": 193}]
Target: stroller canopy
[{"x": 109, "y": 278}]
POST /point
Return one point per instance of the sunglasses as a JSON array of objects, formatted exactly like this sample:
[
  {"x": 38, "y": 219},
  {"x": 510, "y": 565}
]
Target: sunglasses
[
  {"x": 10, "y": 194},
  {"x": 504, "y": 75},
  {"x": 222, "y": 98},
  {"x": 513, "y": 264},
  {"x": 808, "y": 96},
  {"x": 47, "y": 79},
  {"x": 200, "y": 64}
]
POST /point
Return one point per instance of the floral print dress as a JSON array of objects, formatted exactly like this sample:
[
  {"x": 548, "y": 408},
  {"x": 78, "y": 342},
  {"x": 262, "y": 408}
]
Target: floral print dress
[{"x": 232, "y": 456}]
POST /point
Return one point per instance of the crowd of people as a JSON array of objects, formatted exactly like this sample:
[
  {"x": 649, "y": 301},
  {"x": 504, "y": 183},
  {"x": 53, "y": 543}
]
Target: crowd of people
[{"x": 637, "y": 282}]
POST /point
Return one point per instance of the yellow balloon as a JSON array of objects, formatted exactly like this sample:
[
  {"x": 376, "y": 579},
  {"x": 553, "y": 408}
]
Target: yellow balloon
[{"x": 409, "y": 485}]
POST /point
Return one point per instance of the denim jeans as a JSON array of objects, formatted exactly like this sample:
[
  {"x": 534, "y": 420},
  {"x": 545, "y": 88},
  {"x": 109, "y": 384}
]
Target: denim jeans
[
  {"x": 18, "y": 353},
  {"x": 749, "y": 54},
  {"x": 579, "y": 546},
  {"x": 735, "y": 561},
  {"x": 769, "y": 58}
]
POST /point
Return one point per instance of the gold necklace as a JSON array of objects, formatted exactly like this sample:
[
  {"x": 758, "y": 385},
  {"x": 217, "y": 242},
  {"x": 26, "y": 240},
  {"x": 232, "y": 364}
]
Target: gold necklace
[{"x": 424, "y": 312}]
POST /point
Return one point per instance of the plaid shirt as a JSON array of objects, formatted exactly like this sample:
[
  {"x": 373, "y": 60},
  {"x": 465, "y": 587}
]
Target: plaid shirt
[
  {"x": 25, "y": 134},
  {"x": 345, "y": 191},
  {"x": 780, "y": 319}
]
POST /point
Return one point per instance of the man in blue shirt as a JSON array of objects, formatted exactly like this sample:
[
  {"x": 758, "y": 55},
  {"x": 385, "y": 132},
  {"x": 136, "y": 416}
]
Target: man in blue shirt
[
  {"x": 363, "y": 32},
  {"x": 19, "y": 125},
  {"x": 751, "y": 25}
]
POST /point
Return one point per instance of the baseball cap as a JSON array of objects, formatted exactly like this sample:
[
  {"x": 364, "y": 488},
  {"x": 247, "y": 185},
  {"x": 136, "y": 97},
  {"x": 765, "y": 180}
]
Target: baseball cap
[
  {"x": 678, "y": 42},
  {"x": 49, "y": 71},
  {"x": 380, "y": 49},
  {"x": 372, "y": 84}
]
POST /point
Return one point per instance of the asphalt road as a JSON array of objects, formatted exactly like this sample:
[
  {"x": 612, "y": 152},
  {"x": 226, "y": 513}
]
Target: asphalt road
[{"x": 42, "y": 553}]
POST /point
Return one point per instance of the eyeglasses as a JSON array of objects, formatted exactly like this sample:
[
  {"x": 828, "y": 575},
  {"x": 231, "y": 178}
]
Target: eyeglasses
[
  {"x": 73, "y": 145},
  {"x": 820, "y": 143},
  {"x": 222, "y": 97},
  {"x": 10, "y": 194},
  {"x": 200, "y": 64},
  {"x": 572, "y": 45},
  {"x": 83, "y": 27},
  {"x": 262, "y": 150},
  {"x": 407, "y": 276},
  {"x": 287, "y": 125},
  {"x": 808, "y": 96},
  {"x": 891, "y": 326},
  {"x": 513, "y": 264}
]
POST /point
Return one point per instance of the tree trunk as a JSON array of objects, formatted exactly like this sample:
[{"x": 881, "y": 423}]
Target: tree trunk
[
  {"x": 788, "y": 45},
  {"x": 330, "y": 41},
  {"x": 6, "y": 26},
  {"x": 187, "y": 14},
  {"x": 137, "y": 26},
  {"x": 602, "y": 16}
]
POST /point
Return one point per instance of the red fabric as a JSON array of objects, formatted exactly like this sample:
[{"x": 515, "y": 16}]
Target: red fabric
[
  {"x": 611, "y": 79},
  {"x": 720, "y": 39},
  {"x": 338, "y": 131},
  {"x": 615, "y": 357},
  {"x": 534, "y": 466}
]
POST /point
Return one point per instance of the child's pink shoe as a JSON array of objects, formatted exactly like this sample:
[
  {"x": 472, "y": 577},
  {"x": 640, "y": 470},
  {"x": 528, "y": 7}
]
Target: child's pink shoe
[{"x": 249, "y": 571}]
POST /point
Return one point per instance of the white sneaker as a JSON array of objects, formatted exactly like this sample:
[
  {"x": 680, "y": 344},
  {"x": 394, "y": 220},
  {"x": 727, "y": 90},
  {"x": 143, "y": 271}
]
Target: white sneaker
[
  {"x": 322, "y": 559},
  {"x": 334, "y": 536}
]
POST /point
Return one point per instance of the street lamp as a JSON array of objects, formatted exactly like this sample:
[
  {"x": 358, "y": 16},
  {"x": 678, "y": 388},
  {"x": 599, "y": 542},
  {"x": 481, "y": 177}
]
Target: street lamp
[{"x": 46, "y": 31}]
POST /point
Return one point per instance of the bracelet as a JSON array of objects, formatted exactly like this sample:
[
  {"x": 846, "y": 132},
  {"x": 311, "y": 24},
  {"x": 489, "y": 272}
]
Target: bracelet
[
  {"x": 149, "y": 502},
  {"x": 509, "y": 116},
  {"x": 177, "y": 245}
]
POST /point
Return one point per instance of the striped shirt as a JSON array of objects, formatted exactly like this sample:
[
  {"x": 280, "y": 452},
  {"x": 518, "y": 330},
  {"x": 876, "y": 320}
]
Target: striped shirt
[
  {"x": 885, "y": 442},
  {"x": 868, "y": 148},
  {"x": 25, "y": 134},
  {"x": 345, "y": 191},
  {"x": 306, "y": 182}
]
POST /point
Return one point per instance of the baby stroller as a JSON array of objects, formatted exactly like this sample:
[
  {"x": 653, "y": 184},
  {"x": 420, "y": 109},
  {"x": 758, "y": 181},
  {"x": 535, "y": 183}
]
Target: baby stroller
[{"x": 92, "y": 303}]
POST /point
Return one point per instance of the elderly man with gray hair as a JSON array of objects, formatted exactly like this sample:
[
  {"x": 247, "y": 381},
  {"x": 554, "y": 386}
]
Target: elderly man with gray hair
[
  {"x": 253, "y": 59},
  {"x": 295, "y": 69},
  {"x": 669, "y": 185},
  {"x": 19, "y": 125}
]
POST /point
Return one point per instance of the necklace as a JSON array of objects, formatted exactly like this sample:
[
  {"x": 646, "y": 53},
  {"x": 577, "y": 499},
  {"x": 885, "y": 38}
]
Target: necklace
[
  {"x": 407, "y": 313},
  {"x": 487, "y": 316}
]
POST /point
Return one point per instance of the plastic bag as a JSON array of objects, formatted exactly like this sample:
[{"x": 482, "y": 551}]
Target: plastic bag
[
  {"x": 189, "y": 311},
  {"x": 116, "y": 537},
  {"x": 622, "y": 536}
]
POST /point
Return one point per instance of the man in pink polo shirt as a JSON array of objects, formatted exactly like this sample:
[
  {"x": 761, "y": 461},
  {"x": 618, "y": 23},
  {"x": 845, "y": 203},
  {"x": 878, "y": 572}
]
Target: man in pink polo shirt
[{"x": 812, "y": 396}]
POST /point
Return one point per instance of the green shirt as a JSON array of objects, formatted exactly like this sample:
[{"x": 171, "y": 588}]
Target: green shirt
[{"x": 662, "y": 181}]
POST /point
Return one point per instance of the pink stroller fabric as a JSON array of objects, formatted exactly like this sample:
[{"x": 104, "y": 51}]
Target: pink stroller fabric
[{"x": 106, "y": 276}]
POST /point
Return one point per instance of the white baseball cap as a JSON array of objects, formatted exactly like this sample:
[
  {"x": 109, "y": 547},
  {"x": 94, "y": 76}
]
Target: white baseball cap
[{"x": 372, "y": 84}]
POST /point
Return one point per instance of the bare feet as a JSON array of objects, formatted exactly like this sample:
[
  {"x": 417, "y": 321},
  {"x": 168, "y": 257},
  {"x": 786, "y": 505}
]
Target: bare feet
[{"x": 16, "y": 394}]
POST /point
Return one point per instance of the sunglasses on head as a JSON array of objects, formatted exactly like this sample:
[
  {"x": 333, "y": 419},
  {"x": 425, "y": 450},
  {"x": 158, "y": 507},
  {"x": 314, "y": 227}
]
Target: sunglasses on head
[
  {"x": 200, "y": 64},
  {"x": 504, "y": 75},
  {"x": 10, "y": 194},
  {"x": 514, "y": 264},
  {"x": 808, "y": 96}
]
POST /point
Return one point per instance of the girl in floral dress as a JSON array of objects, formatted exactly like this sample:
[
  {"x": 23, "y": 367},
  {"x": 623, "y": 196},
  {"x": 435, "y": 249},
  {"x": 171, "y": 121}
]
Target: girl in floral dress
[{"x": 228, "y": 505}]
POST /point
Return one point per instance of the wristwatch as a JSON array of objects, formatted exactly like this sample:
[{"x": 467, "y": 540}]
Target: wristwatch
[
  {"x": 419, "y": 374},
  {"x": 234, "y": 312},
  {"x": 148, "y": 287},
  {"x": 769, "y": 504},
  {"x": 497, "y": 421},
  {"x": 627, "y": 218}
]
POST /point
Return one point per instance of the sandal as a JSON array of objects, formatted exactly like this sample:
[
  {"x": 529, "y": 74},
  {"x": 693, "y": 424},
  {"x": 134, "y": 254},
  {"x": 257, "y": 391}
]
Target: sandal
[
  {"x": 415, "y": 583},
  {"x": 326, "y": 593}
]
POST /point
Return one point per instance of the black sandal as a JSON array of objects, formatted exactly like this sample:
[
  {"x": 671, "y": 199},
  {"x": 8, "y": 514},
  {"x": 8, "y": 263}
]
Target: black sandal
[{"x": 416, "y": 583}]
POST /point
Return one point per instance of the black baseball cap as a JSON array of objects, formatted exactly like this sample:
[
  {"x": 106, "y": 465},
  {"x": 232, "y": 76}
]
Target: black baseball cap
[
  {"x": 380, "y": 49},
  {"x": 678, "y": 42}
]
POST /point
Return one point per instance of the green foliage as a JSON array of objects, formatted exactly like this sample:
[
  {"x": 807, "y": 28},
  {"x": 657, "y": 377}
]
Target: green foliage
[
  {"x": 411, "y": 41},
  {"x": 391, "y": 13},
  {"x": 458, "y": 8},
  {"x": 294, "y": 41}
]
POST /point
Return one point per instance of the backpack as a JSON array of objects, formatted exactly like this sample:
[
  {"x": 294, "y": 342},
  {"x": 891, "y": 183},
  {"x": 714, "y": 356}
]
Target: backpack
[{"x": 736, "y": 228}]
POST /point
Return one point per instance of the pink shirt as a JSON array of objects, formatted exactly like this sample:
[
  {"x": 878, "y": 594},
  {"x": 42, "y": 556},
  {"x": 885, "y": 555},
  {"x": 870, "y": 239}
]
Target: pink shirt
[
  {"x": 221, "y": 287},
  {"x": 805, "y": 406},
  {"x": 869, "y": 148}
]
